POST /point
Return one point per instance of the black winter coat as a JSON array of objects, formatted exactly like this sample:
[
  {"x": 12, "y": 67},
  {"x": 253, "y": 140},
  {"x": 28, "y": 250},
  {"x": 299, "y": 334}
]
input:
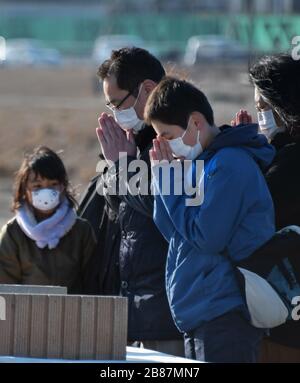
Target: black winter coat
[
  {"x": 103, "y": 268},
  {"x": 143, "y": 254},
  {"x": 283, "y": 179}
]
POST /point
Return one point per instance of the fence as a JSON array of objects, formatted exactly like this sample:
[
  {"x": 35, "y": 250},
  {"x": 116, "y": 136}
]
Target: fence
[
  {"x": 76, "y": 34},
  {"x": 63, "y": 326}
]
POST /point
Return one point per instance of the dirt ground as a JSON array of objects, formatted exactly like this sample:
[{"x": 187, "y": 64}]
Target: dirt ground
[{"x": 58, "y": 108}]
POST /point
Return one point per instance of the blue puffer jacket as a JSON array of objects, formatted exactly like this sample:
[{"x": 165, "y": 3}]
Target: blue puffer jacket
[{"x": 235, "y": 217}]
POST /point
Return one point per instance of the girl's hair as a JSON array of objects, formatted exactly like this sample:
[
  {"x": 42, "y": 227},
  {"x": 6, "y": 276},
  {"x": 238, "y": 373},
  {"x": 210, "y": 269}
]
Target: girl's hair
[
  {"x": 46, "y": 163},
  {"x": 278, "y": 79}
]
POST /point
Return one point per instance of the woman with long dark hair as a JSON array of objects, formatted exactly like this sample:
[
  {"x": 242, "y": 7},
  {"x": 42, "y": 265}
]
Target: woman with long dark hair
[{"x": 276, "y": 81}]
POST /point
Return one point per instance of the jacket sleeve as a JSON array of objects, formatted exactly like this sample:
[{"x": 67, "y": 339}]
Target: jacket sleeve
[
  {"x": 210, "y": 226},
  {"x": 86, "y": 196},
  {"x": 88, "y": 251},
  {"x": 10, "y": 267},
  {"x": 160, "y": 214},
  {"x": 107, "y": 189},
  {"x": 131, "y": 184}
]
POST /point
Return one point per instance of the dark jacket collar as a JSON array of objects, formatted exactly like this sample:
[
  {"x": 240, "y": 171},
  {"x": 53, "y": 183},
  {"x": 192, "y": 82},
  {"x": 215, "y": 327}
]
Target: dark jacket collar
[
  {"x": 144, "y": 137},
  {"x": 281, "y": 139}
]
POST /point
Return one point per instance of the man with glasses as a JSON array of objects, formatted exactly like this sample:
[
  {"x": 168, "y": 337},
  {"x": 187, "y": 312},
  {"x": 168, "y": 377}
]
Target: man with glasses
[{"x": 128, "y": 77}]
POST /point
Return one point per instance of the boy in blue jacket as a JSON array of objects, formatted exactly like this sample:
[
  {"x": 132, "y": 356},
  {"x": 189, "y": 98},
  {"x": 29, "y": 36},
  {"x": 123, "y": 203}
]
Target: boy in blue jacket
[{"x": 234, "y": 219}]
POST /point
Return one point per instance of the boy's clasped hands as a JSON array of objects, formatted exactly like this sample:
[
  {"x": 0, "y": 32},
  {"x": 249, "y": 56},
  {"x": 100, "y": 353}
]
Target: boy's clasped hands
[{"x": 160, "y": 151}]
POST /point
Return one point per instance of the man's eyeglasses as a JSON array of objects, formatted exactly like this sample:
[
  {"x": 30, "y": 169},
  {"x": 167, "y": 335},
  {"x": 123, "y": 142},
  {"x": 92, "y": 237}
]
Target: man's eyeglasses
[{"x": 113, "y": 107}]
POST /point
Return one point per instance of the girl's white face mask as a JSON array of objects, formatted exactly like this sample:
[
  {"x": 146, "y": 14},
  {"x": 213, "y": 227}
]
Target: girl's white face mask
[
  {"x": 45, "y": 199},
  {"x": 127, "y": 118},
  {"x": 267, "y": 124},
  {"x": 180, "y": 149}
]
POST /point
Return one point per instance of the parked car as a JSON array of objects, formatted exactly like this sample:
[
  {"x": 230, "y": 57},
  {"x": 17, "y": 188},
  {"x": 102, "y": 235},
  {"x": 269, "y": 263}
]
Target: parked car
[
  {"x": 105, "y": 44},
  {"x": 213, "y": 47},
  {"x": 2, "y": 49},
  {"x": 30, "y": 52}
]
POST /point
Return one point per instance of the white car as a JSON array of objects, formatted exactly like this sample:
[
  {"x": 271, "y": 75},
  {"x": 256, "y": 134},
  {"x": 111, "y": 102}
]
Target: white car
[
  {"x": 213, "y": 47},
  {"x": 29, "y": 52}
]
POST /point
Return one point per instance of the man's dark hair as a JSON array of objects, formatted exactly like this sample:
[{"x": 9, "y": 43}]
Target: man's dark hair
[
  {"x": 131, "y": 66},
  {"x": 277, "y": 78},
  {"x": 173, "y": 100}
]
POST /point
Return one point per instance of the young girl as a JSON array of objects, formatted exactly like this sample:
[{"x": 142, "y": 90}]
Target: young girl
[{"x": 45, "y": 243}]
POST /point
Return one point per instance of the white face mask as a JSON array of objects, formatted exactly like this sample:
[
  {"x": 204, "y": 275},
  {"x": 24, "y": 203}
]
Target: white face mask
[
  {"x": 45, "y": 199},
  {"x": 127, "y": 118},
  {"x": 180, "y": 149},
  {"x": 267, "y": 123}
]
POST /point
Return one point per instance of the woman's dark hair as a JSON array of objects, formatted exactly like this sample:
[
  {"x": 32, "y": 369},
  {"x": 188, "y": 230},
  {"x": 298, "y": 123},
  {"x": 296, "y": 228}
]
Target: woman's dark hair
[
  {"x": 277, "y": 78},
  {"x": 45, "y": 163},
  {"x": 173, "y": 101},
  {"x": 132, "y": 66}
]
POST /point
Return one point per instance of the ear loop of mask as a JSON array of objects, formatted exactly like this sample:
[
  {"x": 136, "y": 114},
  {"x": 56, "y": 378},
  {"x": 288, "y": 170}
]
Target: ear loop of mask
[
  {"x": 265, "y": 100},
  {"x": 188, "y": 129},
  {"x": 138, "y": 95}
]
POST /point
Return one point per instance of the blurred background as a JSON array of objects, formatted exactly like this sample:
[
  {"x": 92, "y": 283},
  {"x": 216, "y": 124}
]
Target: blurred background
[{"x": 50, "y": 52}]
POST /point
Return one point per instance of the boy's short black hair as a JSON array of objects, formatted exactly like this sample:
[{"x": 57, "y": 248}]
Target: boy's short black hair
[
  {"x": 173, "y": 101},
  {"x": 277, "y": 78},
  {"x": 131, "y": 66}
]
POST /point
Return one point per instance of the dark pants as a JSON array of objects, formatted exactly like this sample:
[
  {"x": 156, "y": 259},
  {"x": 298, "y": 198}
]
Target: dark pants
[{"x": 229, "y": 338}]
